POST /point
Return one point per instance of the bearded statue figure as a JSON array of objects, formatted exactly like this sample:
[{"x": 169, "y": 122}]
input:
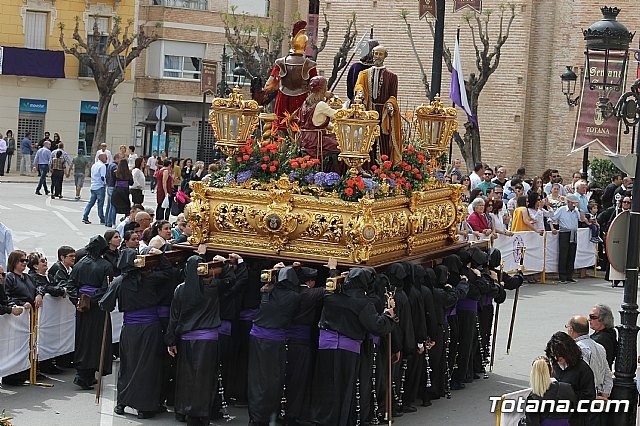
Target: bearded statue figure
[
  {"x": 316, "y": 138},
  {"x": 377, "y": 88},
  {"x": 291, "y": 74}
]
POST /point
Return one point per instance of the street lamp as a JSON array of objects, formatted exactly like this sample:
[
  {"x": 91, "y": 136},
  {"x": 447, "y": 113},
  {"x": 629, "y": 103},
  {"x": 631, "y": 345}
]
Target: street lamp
[
  {"x": 607, "y": 50},
  {"x": 240, "y": 73},
  {"x": 569, "y": 79},
  {"x": 608, "y": 45}
]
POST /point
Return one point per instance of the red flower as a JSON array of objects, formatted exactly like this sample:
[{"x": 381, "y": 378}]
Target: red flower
[
  {"x": 243, "y": 149},
  {"x": 266, "y": 158},
  {"x": 407, "y": 167},
  {"x": 384, "y": 157},
  {"x": 383, "y": 176},
  {"x": 295, "y": 164},
  {"x": 263, "y": 167},
  {"x": 303, "y": 165},
  {"x": 415, "y": 170},
  {"x": 307, "y": 157},
  {"x": 275, "y": 162},
  {"x": 392, "y": 175},
  {"x": 420, "y": 158},
  {"x": 263, "y": 149},
  {"x": 374, "y": 167},
  {"x": 350, "y": 182},
  {"x": 387, "y": 164},
  {"x": 360, "y": 185},
  {"x": 249, "y": 150},
  {"x": 411, "y": 148},
  {"x": 407, "y": 186},
  {"x": 272, "y": 169},
  {"x": 239, "y": 159},
  {"x": 316, "y": 161},
  {"x": 349, "y": 192},
  {"x": 246, "y": 157},
  {"x": 418, "y": 176}
]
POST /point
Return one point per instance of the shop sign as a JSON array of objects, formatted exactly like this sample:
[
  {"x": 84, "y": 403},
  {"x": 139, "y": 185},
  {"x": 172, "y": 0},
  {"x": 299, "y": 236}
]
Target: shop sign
[{"x": 33, "y": 105}]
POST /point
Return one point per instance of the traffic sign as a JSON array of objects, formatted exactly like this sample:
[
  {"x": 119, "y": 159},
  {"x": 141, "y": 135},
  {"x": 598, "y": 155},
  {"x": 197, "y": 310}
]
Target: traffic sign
[
  {"x": 161, "y": 112},
  {"x": 616, "y": 241}
]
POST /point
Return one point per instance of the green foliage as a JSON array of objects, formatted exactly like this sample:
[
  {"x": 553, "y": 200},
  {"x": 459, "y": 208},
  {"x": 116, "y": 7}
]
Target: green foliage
[{"x": 602, "y": 170}]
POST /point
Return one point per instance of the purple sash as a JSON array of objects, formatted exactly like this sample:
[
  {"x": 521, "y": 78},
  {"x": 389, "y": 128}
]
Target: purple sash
[
  {"x": 330, "y": 339},
  {"x": 88, "y": 290},
  {"x": 164, "y": 311},
  {"x": 248, "y": 314},
  {"x": 450, "y": 312},
  {"x": 204, "y": 334},
  {"x": 277, "y": 334},
  {"x": 375, "y": 339},
  {"x": 299, "y": 332},
  {"x": 486, "y": 300},
  {"x": 122, "y": 183},
  {"x": 225, "y": 328},
  {"x": 468, "y": 305},
  {"x": 141, "y": 316}
]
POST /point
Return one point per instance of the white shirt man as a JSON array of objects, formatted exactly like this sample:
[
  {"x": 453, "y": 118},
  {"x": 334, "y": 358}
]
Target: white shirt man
[{"x": 103, "y": 150}]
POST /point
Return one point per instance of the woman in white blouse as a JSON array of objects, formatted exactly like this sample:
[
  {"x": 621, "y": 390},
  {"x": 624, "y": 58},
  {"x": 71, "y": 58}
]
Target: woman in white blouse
[{"x": 137, "y": 189}]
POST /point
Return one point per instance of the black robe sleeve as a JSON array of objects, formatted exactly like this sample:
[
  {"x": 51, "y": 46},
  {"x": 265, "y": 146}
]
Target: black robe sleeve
[
  {"x": 374, "y": 323},
  {"x": 431, "y": 320},
  {"x": 170, "y": 338},
  {"x": 4, "y": 301}
]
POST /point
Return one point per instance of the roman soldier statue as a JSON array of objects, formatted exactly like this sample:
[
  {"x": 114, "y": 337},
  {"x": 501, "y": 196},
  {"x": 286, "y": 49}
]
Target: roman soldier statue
[
  {"x": 291, "y": 74},
  {"x": 377, "y": 87}
]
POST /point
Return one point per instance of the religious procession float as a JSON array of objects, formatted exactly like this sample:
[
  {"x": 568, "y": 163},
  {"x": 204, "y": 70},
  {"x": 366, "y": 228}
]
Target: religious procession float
[{"x": 325, "y": 178}]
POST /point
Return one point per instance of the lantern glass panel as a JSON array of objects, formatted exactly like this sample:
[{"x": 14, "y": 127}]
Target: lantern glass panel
[
  {"x": 222, "y": 125},
  {"x": 233, "y": 126},
  {"x": 606, "y": 68}
]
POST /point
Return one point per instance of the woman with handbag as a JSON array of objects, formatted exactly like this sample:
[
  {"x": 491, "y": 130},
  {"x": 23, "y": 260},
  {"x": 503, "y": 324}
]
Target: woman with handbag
[
  {"x": 164, "y": 190},
  {"x": 137, "y": 189}
]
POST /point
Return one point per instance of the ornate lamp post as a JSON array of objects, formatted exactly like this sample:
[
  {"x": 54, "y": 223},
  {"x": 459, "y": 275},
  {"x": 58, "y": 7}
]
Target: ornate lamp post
[
  {"x": 233, "y": 120},
  {"x": 569, "y": 79},
  {"x": 435, "y": 125},
  {"x": 608, "y": 41},
  {"x": 355, "y": 130}
]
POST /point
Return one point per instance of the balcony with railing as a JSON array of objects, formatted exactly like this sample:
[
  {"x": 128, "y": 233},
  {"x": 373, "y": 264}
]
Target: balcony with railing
[
  {"x": 183, "y": 4},
  {"x": 112, "y": 65}
]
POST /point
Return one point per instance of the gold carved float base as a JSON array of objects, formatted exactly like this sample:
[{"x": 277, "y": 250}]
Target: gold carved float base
[{"x": 282, "y": 222}]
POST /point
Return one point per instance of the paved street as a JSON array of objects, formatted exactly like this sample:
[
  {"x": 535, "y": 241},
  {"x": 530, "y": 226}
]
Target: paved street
[{"x": 39, "y": 223}]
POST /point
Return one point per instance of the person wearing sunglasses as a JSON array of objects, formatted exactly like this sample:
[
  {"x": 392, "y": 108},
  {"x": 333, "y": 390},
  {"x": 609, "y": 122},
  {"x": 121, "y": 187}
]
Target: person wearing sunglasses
[
  {"x": 21, "y": 290},
  {"x": 601, "y": 322}
]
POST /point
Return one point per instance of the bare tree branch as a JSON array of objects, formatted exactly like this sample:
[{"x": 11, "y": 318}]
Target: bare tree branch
[
  {"x": 341, "y": 56},
  {"x": 425, "y": 81},
  {"x": 325, "y": 36}
]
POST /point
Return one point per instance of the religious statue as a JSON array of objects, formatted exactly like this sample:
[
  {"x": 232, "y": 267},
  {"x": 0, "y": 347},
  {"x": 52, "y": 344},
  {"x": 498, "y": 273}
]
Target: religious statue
[
  {"x": 377, "y": 87},
  {"x": 316, "y": 137},
  {"x": 291, "y": 74},
  {"x": 365, "y": 62}
]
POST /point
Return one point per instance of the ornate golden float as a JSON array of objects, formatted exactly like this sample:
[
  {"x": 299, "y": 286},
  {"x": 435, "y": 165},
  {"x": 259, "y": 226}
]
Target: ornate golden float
[{"x": 279, "y": 220}]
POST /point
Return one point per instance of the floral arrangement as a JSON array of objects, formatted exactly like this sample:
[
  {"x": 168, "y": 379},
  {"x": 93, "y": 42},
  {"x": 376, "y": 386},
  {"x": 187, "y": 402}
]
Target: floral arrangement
[
  {"x": 258, "y": 163},
  {"x": 5, "y": 420}
]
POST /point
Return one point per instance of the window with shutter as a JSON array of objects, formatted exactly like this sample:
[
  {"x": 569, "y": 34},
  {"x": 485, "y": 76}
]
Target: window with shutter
[
  {"x": 103, "y": 27},
  {"x": 35, "y": 31}
]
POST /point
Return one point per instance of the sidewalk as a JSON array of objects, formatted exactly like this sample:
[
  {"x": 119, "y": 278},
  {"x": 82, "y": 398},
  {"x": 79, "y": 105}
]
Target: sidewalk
[{"x": 15, "y": 177}]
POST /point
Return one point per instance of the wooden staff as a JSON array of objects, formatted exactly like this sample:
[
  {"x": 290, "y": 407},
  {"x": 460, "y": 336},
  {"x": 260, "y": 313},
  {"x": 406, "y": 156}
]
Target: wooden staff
[
  {"x": 102, "y": 349},
  {"x": 515, "y": 302},
  {"x": 495, "y": 322},
  {"x": 389, "y": 398}
]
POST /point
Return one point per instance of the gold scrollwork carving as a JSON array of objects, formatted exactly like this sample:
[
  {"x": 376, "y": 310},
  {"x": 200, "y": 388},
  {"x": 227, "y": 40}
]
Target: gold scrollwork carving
[
  {"x": 231, "y": 217},
  {"x": 329, "y": 227},
  {"x": 197, "y": 213}
]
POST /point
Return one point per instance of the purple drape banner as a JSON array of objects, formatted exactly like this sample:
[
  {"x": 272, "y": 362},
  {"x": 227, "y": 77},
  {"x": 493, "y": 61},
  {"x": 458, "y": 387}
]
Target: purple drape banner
[
  {"x": 473, "y": 4},
  {"x": 591, "y": 126},
  {"x": 426, "y": 7},
  {"x": 33, "y": 62}
]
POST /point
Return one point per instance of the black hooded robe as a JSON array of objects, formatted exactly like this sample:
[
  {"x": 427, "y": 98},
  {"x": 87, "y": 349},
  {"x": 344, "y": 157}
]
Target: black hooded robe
[
  {"x": 141, "y": 345},
  {"x": 301, "y": 348},
  {"x": 193, "y": 329},
  {"x": 346, "y": 318},
  {"x": 267, "y": 355},
  {"x": 90, "y": 276}
]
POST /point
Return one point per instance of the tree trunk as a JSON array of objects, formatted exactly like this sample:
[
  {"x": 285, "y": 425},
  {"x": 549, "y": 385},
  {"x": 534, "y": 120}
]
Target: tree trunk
[{"x": 100, "y": 135}]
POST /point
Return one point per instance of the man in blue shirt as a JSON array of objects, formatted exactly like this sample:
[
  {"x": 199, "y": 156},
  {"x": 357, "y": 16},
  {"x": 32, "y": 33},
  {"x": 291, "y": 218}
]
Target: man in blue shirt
[
  {"x": 567, "y": 218},
  {"x": 25, "y": 150},
  {"x": 41, "y": 163},
  {"x": 98, "y": 173}
]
